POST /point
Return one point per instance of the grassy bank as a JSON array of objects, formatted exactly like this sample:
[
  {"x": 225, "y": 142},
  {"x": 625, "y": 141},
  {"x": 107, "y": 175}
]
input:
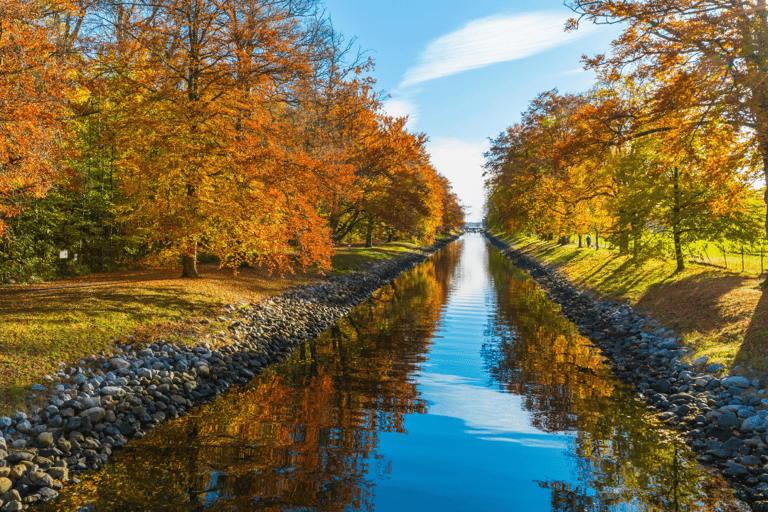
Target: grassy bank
[
  {"x": 720, "y": 313},
  {"x": 63, "y": 321}
]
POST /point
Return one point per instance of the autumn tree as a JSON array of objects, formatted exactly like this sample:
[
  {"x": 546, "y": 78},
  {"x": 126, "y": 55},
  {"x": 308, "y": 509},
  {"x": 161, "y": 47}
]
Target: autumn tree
[
  {"x": 711, "y": 50},
  {"x": 207, "y": 154},
  {"x": 34, "y": 82}
]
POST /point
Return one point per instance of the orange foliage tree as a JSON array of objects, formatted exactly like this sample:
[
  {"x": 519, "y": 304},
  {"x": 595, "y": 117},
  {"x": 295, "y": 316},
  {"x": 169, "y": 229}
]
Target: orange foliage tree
[
  {"x": 208, "y": 152},
  {"x": 33, "y": 87},
  {"x": 709, "y": 52}
]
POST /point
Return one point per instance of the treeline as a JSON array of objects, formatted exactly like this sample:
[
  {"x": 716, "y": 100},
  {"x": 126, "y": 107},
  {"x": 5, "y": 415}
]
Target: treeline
[
  {"x": 154, "y": 132},
  {"x": 667, "y": 149}
]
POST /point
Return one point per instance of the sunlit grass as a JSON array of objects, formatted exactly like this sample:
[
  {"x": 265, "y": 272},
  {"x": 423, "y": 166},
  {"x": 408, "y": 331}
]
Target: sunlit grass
[{"x": 720, "y": 313}]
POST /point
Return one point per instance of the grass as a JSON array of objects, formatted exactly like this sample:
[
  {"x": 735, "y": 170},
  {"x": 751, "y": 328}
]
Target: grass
[
  {"x": 66, "y": 321},
  {"x": 720, "y": 313}
]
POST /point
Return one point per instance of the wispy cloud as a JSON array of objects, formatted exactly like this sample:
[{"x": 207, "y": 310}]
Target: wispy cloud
[{"x": 489, "y": 40}]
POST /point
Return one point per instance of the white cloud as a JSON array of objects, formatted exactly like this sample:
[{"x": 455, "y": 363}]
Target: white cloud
[
  {"x": 489, "y": 40},
  {"x": 400, "y": 107},
  {"x": 461, "y": 161}
]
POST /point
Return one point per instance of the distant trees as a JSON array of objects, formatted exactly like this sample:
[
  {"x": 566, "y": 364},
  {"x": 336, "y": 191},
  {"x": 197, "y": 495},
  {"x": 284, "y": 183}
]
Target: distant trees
[{"x": 240, "y": 129}]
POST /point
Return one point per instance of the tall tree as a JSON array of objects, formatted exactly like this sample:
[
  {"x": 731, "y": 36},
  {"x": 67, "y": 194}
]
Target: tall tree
[
  {"x": 34, "y": 83},
  {"x": 711, "y": 51}
]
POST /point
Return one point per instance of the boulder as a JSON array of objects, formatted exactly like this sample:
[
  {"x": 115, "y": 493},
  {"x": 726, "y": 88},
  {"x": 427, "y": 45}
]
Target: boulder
[
  {"x": 119, "y": 362},
  {"x": 94, "y": 414},
  {"x": 735, "y": 382}
]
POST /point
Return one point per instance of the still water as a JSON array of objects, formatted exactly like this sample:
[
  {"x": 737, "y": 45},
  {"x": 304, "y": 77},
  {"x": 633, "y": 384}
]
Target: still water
[{"x": 457, "y": 387}]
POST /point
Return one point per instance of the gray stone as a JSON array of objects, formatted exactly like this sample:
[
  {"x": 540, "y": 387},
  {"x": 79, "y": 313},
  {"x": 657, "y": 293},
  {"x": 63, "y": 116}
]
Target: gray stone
[
  {"x": 735, "y": 382},
  {"x": 47, "y": 494},
  {"x": 700, "y": 361},
  {"x": 715, "y": 368},
  {"x": 751, "y": 461},
  {"x": 59, "y": 473},
  {"x": 94, "y": 414},
  {"x": 23, "y": 426},
  {"x": 112, "y": 391},
  {"x": 119, "y": 362},
  {"x": 752, "y": 423},
  {"x": 12, "y": 506},
  {"x": 736, "y": 470},
  {"x": 662, "y": 386},
  {"x": 728, "y": 420},
  {"x": 79, "y": 379},
  {"x": 5, "y": 422}
]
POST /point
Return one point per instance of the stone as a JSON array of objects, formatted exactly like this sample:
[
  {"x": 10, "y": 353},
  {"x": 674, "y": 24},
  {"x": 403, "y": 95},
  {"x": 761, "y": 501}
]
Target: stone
[
  {"x": 17, "y": 471},
  {"x": 12, "y": 506},
  {"x": 735, "y": 382},
  {"x": 47, "y": 494},
  {"x": 94, "y": 414},
  {"x": 662, "y": 386},
  {"x": 23, "y": 426},
  {"x": 112, "y": 391},
  {"x": 119, "y": 362},
  {"x": 5, "y": 485},
  {"x": 45, "y": 439},
  {"x": 733, "y": 444},
  {"x": 700, "y": 361},
  {"x": 751, "y": 461},
  {"x": 728, "y": 420},
  {"x": 59, "y": 473},
  {"x": 736, "y": 470},
  {"x": 715, "y": 368}
]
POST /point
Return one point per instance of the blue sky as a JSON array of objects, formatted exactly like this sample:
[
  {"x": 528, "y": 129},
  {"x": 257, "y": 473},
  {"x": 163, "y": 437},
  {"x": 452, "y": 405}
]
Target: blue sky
[{"x": 464, "y": 71}]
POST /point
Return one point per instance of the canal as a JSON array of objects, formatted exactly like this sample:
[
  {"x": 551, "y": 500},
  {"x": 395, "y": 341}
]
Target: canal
[{"x": 456, "y": 387}]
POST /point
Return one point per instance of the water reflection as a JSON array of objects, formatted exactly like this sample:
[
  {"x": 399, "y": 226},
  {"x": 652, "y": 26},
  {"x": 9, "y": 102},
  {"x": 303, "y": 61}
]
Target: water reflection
[
  {"x": 458, "y": 387},
  {"x": 624, "y": 460}
]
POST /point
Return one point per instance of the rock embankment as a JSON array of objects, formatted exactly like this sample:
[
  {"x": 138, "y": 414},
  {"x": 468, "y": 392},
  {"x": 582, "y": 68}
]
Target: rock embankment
[
  {"x": 98, "y": 405},
  {"x": 723, "y": 417}
]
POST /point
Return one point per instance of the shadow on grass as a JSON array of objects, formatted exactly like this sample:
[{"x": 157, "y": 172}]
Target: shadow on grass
[
  {"x": 693, "y": 301},
  {"x": 754, "y": 349}
]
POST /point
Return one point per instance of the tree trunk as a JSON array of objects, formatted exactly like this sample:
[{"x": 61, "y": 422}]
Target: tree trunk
[
  {"x": 676, "y": 209},
  {"x": 579, "y": 241},
  {"x": 389, "y": 234},
  {"x": 597, "y": 239},
  {"x": 635, "y": 242},
  {"x": 189, "y": 264},
  {"x": 369, "y": 235}
]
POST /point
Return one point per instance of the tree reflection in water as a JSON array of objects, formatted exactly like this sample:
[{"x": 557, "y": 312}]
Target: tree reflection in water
[
  {"x": 625, "y": 460},
  {"x": 300, "y": 436}
]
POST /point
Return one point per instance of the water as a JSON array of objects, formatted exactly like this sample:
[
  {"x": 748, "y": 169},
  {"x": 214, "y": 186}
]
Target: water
[{"x": 457, "y": 387}]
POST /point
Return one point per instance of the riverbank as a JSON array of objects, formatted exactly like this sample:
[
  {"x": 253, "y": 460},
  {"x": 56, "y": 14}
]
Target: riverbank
[
  {"x": 719, "y": 313},
  {"x": 47, "y": 323},
  {"x": 101, "y": 403},
  {"x": 724, "y": 419}
]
